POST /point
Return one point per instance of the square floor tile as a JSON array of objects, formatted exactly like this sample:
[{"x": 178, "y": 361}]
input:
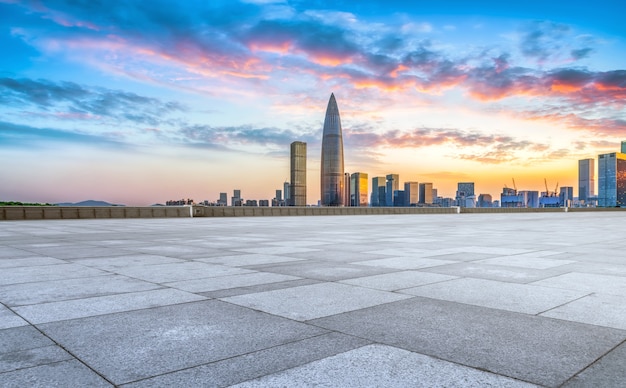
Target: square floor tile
[{"x": 398, "y": 280}]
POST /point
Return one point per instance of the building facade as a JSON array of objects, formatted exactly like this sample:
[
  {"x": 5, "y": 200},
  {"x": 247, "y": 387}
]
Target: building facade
[
  {"x": 426, "y": 193},
  {"x": 612, "y": 180},
  {"x": 411, "y": 193},
  {"x": 297, "y": 187},
  {"x": 358, "y": 189},
  {"x": 392, "y": 184},
  {"x": 586, "y": 179},
  {"x": 378, "y": 183},
  {"x": 332, "y": 169}
]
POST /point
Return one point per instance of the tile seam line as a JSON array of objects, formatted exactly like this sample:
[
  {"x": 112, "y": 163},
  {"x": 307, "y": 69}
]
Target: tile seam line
[
  {"x": 592, "y": 363},
  {"x": 75, "y": 357},
  {"x": 564, "y": 304},
  {"x": 327, "y": 332},
  {"x": 373, "y": 342}
]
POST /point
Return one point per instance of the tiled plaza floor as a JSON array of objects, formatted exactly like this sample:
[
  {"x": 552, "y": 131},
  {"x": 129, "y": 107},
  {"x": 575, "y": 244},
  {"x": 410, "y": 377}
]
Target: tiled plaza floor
[{"x": 501, "y": 300}]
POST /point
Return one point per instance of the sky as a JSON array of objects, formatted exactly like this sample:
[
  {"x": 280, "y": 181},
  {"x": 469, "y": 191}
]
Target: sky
[{"x": 140, "y": 102}]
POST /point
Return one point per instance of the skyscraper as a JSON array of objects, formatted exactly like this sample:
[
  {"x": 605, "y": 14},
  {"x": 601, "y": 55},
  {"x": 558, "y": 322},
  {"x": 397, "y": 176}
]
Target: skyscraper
[
  {"x": 612, "y": 180},
  {"x": 393, "y": 184},
  {"x": 298, "y": 174},
  {"x": 623, "y": 146},
  {"x": 426, "y": 193},
  {"x": 411, "y": 193},
  {"x": 346, "y": 189},
  {"x": 358, "y": 189},
  {"x": 378, "y": 184},
  {"x": 332, "y": 178},
  {"x": 586, "y": 179}
]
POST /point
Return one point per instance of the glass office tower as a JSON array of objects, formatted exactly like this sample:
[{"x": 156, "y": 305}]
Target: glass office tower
[
  {"x": 332, "y": 173},
  {"x": 612, "y": 180},
  {"x": 586, "y": 179},
  {"x": 297, "y": 187}
]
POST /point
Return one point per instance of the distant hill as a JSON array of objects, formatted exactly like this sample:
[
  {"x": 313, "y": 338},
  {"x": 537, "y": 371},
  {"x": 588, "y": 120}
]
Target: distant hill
[{"x": 89, "y": 202}]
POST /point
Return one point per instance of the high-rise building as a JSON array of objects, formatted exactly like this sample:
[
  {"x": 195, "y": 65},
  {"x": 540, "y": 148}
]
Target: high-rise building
[
  {"x": 566, "y": 196},
  {"x": 586, "y": 178},
  {"x": 484, "y": 200},
  {"x": 286, "y": 191},
  {"x": 612, "y": 180},
  {"x": 623, "y": 146},
  {"x": 346, "y": 189},
  {"x": 411, "y": 193},
  {"x": 298, "y": 174},
  {"x": 463, "y": 191},
  {"x": 236, "y": 199},
  {"x": 393, "y": 184},
  {"x": 426, "y": 193},
  {"x": 398, "y": 198},
  {"x": 331, "y": 172},
  {"x": 223, "y": 201},
  {"x": 358, "y": 189},
  {"x": 377, "y": 184}
]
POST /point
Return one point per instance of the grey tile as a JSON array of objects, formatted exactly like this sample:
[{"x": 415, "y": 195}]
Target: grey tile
[
  {"x": 172, "y": 338},
  {"x": 259, "y": 288},
  {"x": 22, "y": 338},
  {"x": 595, "y": 309},
  {"x": 383, "y": 366},
  {"x": 252, "y": 365},
  {"x": 322, "y": 270},
  {"x": 32, "y": 357},
  {"x": 58, "y": 290},
  {"x": 338, "y": 256},
  {"x": 276, "y": 250},
  {"x": 523, "y": 298},
  {"x": 30, "y": 261},
  {"x": 115, "y": 263},
  {"x": 526, "y": 261},
  {"x": 100, "y": 305},
  {"x": 606, "y": 284},
  {"x": 173, "y": 272},
  {"x": 241, "y": 260},
  {"x": 46, "y": 272},
  {"x": 398, "y": 280},
  {"x": 609, "y": 371},
  {"x": 405, "y": 262},
  {"x": 535, "y": 349},
  {"x": 59, "y": 374},
  {"x": 230, "y": 281},
  {"x": 314, "y": 301},
  {"x": 9, "y": 319},
  {"x": 496, "y": 272}
]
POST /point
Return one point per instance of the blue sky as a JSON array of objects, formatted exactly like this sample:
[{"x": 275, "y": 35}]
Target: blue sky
[{"x": 141, "y": 102}]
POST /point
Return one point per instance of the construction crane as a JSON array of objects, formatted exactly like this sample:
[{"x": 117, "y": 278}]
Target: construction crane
[
  {"x": 545, "y": 182},
  {"x": 514, "y": 186},
  {"x": 556, "y": 189}
]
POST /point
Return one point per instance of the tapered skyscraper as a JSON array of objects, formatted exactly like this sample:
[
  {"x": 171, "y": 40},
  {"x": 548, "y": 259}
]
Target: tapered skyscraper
[{"x": 332, "y": 175}]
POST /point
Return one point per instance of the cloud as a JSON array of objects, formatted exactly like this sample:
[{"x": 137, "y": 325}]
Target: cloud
[
  {"x": 16, "y": 135},
  {"x": 205, "y": 135},
  {"x": 71, "y": 99}
]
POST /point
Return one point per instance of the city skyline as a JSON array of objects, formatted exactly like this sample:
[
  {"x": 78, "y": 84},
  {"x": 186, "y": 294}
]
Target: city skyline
[{"x": 134, "y": 104}]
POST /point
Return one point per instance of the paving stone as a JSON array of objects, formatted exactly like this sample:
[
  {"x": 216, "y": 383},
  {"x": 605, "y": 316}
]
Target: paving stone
[
  {"x": 526, "y": 262},
  {"x": 534, "y": 349},
  {"x": 29, "y": 261},
  {"x": 398, "y": 280},
  {"x": 383, "y": 366},
  {"x": 407, "y": 262},
  {"x": 259, "y": 288},
  {"x": 59, "y": 290},
  {"x": 172, "y": 272},
  {"x": 135, "y": 345},
  {"x": 22, "y": 338},
  {"x": 115, "y": 263},
  {"x": 252, "y": 365},
  {"x": 32, "y": 357},
  {"x": 496, "y": 272},
  {"x": 609, "y": 371},
  {"x": 86, "y": 307},
  {"x": 606, "y": 284},
  {"x": 326, "y": 271},
  {"x": 230, "y": 281},
  {"x": 274, "y": 250},
  {"x": 242, "y": 260},
  {"x": 59, "y": 374},
  {"x": 522, "y": 298},
  {"x": 46, "y": 272},
  {"x": 595, "y": 309},
  {"x": 9, "y": 319},
  {"x": 314, "y": 301}
]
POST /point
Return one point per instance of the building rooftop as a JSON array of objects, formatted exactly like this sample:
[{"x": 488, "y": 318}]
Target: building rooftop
[{"x": 503, "y": 300}]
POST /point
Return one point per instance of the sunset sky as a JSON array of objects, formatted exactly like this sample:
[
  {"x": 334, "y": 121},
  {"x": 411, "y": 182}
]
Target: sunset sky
[{"x": 138, "y": 102}]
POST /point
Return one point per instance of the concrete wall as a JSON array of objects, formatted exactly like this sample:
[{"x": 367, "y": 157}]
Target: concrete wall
[{"x": 62, "y": 213}]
